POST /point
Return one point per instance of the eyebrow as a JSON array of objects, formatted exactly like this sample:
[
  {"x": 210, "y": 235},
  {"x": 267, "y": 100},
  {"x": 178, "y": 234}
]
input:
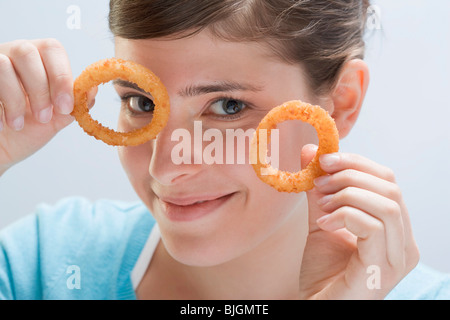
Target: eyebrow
[
  {"x": 220, "y": 86},
  {"x": 196, "y": 90},
  {"x": 128, "y": 84}
]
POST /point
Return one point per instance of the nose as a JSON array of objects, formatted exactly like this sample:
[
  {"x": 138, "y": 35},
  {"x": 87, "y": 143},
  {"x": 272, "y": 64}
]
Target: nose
[{"x": 174, "y": 143}]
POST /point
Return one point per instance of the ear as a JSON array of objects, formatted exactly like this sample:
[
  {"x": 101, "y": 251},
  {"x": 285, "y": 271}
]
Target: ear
[{"x": 349, "y": 94}]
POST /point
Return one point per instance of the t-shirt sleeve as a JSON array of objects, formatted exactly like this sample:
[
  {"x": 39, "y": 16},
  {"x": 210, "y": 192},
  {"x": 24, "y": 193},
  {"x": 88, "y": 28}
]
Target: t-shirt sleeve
[
  {"x": 19, "y": 268},
  {"x": 5, "y": 285},
  {"x": 422, "y": 283},
  {"x": 74, "y": 249}
]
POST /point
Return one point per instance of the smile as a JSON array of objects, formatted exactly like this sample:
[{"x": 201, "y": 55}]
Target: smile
[{"x": 193, "y": 208}]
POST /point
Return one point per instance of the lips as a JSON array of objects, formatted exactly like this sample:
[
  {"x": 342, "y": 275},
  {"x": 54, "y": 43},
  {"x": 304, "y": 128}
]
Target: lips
[{"x": 192, "y": 208}]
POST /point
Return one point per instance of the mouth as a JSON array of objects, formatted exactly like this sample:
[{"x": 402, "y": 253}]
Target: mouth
[{"x": 193, "y": 208}]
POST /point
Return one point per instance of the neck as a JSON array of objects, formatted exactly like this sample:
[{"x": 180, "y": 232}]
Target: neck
[{"x": 269, "y": 271}]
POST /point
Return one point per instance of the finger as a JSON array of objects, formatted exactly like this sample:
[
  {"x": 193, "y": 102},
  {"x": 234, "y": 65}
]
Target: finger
[
  {"x": 383, "y": 209},
  {"x": 371, "y": 251},
  {"x": 12, "y": 95},
  {"x": 353, "y": 178},
  {"x": 363, "y": 173},
  {"x": 91, "y": 96},
  {"x": 1, "y": 116},
  {"x": 370, "y": 231},
  {"x": 57, "y": 67},
  {"x": 334, "y": 162},
  {"x": 411, "y": 248},
  {"x": 336, "y": 182},
  {"x": 28, "y": 64},
  {"x": 307, "y": 154}
]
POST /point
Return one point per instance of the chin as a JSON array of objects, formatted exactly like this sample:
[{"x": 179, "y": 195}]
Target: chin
[{"x": 196, "y": 255}]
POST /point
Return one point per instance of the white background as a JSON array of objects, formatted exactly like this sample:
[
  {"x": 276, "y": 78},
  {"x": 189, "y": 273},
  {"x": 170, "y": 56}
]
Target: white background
[{"x": 404, "y": 122}]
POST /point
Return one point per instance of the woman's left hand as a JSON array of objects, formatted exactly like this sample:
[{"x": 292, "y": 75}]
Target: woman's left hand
[{"x": 360, "y": 242}]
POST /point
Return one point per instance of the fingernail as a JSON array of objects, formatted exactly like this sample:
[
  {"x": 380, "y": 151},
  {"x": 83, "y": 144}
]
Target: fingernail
[
  {"x": 329, "y": 159},
  {"x": 321, "y": 181},
  {"x": 325, "y": 199},
  {"x": 322, "y": 219},
  {"x": 18, "y": 123},
  {"x": 64, "y": 103},
  {"x": 1, "y": 116},
  {"x": 45, "y": 115}
]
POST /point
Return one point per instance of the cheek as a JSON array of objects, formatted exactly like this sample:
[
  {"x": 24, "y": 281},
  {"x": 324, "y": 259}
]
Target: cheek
[
  {"x": 265, "y": 204},
  {"x": 258, "y": 213},
  {"x": 294, "y": 135},
  {"x": 135, "y": 161},
  {"x": 127, "y": 123},
  {"x": 264, "y": 209},
  {"x": 265, "y": 217}
]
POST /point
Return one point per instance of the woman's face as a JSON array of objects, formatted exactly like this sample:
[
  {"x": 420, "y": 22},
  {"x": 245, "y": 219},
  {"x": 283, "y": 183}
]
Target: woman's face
[{"x": 209, "y": 214}]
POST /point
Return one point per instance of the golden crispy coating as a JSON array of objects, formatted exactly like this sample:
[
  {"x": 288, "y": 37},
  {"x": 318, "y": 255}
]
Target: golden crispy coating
[
  {"x": 111, "y": 69},
  {"x": 328, "y": 143}
]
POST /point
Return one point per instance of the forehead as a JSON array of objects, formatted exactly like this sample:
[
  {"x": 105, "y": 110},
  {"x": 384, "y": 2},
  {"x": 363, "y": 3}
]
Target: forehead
[
  {"x": 204, "y": 58},
  {"x": 193, "y": 50}
]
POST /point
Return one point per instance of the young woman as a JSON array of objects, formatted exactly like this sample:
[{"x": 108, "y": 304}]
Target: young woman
[{"x": 212, "y": 231}]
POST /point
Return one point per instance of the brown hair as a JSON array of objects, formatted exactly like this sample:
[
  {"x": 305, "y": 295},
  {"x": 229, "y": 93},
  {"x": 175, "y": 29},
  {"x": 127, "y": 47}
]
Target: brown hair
[{"x": 319, "y": 34}]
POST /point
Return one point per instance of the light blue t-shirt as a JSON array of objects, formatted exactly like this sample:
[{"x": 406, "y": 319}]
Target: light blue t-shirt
[{"x": 82, "y": 250}]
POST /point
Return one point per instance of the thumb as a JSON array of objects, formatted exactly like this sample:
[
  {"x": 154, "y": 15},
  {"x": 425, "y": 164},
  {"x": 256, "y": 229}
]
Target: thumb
[
  {"x": 91, "y": 96},
  {"x": 307, "y": 154}
]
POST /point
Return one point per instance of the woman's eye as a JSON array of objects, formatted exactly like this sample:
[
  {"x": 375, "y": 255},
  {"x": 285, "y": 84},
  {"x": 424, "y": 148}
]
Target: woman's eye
[
  {"x": 140, "y": 104},
  {"x": 227, "y": 107}
]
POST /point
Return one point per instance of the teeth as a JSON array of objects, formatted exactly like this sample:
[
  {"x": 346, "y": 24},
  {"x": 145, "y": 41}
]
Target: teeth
[{"x": 194, "y": 203}]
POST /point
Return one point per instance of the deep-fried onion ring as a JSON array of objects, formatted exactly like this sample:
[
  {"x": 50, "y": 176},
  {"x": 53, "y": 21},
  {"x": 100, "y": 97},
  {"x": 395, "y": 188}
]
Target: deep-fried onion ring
[
  {"x": 111, "y": 69},
  {"x": 328, "y": 143}
]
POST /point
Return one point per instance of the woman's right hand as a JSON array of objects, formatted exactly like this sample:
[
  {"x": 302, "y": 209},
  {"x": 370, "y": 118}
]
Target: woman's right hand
[{"x": 36, "y": 97}]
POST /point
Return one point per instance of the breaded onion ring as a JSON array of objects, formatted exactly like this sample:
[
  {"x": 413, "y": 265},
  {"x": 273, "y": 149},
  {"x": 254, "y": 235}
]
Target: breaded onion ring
[
  {"x": 111, "y": 69},
  {"x": 328, "y": 143}
]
